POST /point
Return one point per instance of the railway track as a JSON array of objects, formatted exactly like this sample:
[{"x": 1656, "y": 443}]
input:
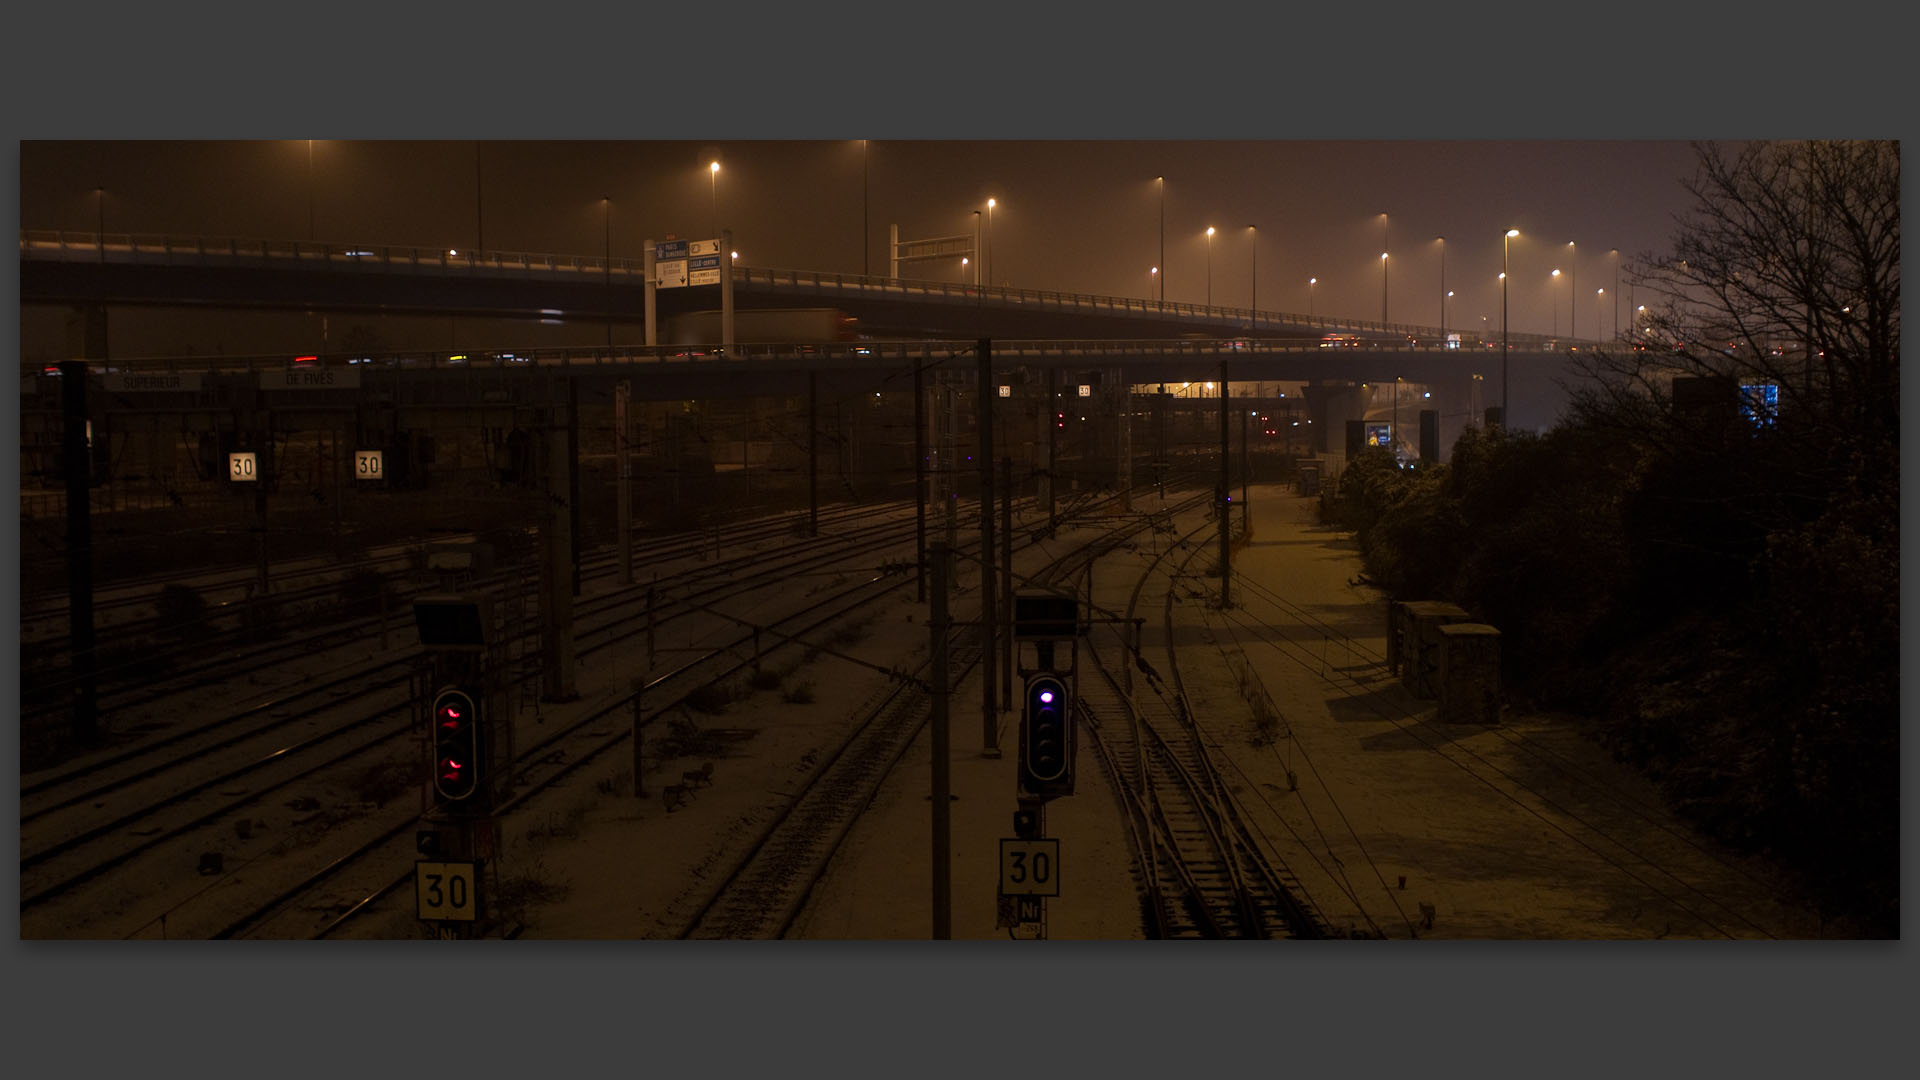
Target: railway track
[
  {"x": 232, "y": 647},
  {"x": 1204, "y": 873},
  {"x": 769, "y": 885},
  {"x": 82, "y": 824}
]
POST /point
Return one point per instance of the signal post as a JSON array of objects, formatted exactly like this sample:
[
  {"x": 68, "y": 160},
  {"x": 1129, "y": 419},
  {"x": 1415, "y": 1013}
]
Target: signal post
[
  {"x": 1030, "y": 860},
  {"x": 468, "y": 746}
]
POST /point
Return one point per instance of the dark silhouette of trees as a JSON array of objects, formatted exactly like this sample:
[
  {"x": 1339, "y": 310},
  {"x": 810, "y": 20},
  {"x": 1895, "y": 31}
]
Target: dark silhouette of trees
[{"x": 1708, "y": 571}]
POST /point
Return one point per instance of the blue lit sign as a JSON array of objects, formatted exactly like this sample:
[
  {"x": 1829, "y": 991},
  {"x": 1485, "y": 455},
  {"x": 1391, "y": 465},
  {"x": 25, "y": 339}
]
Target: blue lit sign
[{"x": 1760, "y": 404}]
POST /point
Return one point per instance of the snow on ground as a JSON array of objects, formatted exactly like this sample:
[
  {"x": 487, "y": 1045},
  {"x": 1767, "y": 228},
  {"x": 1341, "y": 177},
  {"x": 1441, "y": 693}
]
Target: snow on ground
[{"x": 1492, "y": 828}]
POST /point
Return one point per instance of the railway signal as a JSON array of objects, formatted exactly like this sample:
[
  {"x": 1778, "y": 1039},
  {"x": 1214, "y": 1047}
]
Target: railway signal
[
  {"x": 458, "y": 756},
  {"x": 1046, "y": 738}
]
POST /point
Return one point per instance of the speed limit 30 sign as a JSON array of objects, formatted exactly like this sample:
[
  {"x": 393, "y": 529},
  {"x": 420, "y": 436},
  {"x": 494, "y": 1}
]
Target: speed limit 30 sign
[
  {"x": 447, "y": 890},
  {"x": 1029, "y": 868}
]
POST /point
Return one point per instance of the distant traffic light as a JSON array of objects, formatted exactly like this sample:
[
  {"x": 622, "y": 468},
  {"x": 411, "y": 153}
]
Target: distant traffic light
[
  {"x": 1046, "y": 738},
  {"x": 458, "y": 756}
]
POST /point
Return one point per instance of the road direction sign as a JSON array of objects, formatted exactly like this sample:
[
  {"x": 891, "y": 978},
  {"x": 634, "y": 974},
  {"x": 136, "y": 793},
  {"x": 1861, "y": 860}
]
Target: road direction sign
[
  {"x": 1030, "y": 868},
  {"x": 669, "y": 249},
  {"x": 670, "y": 275},
  {"x": 703, "y": 247},
  {"x": 447, "y": 890},
  {"x": 311, "y": 379},
  {"x": 158, "y": 380}
]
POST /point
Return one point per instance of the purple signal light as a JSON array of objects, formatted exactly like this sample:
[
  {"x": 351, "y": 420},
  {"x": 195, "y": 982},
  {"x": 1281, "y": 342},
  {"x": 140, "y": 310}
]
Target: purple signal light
[{"x": 1046, "y": 697}]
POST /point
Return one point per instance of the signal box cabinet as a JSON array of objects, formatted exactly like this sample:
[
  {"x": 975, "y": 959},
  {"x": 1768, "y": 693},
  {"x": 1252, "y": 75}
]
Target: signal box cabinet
[
  {"x": 1419, "y": 651},
  {"x": 1469, "y": 682}
]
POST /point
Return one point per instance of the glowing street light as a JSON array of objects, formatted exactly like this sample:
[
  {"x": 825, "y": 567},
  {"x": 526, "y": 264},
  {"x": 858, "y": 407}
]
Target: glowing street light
[
  {"x": 1384, "y": 248},
  {"x": 1311, "y": 282},
  {"x": 310, "y": 230},
  {"x": 1554, "y": 301},
  {"x": 1162, "y": 181},
  {"x": 979, "y": 245},
  {"x": 606, "y": 261},
  {"x": 1442, "y": 241},
  {"x": 1573, "y": 288},
  {"x": 1253, "y": 272},
  {"x": 1504, "y": 346},
  {"x": 1209, "y": 266},
  {"x": 1153, "y": 281},
  {"x": 713, "y": 192},
  {"x": 1616, "y": 291},
  {"x": 987, "y": 259}
]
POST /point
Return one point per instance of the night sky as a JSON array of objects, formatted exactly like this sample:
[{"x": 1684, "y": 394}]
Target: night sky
[{"x": 1080, "y": 216}]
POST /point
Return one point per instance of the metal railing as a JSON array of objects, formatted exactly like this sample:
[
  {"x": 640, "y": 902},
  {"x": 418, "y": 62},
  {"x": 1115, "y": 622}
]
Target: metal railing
[
  {"x": 163, "y": 250},
  {"x": 877, "y": 354}
]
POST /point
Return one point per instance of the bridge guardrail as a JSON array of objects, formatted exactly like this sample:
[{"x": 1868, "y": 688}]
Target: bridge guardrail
[
  {"x": 160, "y": 249},
  {"x": 873, "y": 353}
]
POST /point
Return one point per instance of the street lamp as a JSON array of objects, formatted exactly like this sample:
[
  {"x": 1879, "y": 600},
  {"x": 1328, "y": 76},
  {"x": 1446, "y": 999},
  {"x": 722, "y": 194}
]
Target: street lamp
[
  {"x": 1598, "y": 294},
  {"x": 978, "y": 246},
  {"x": 988, "y": 257},
  {"x": 1209, "y": 266},
  {"x": 1383, "y": 290},
  {"x": 1253, "y": 273},
  {"x": 1311, "y": 282},
  {"x": 1443, "y": 290},
  {"x": 1616, "y": 292},
  {"x": 1153, "y": 280},
  {"x": 713, "y": 192},
  {"x": 310, "y": 230},
  {"x": 1395, "y": 429},
  {"x": 1504, "y": 346},
  {"x": 866, "y": 243},
  {"x": 606, "y": 229},
  {"x": 1553, "y": 299},
  {"x": 1573, "y": 289},
  {"x": 1384, "y": 248},
  {"x": 1162, "y": 181}
]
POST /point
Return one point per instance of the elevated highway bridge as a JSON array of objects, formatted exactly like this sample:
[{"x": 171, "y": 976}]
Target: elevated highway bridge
[{"x": 909, "y": 323}]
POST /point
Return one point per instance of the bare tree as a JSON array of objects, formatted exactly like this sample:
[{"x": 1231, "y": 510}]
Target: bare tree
[{"x": 1786, "y": 272}]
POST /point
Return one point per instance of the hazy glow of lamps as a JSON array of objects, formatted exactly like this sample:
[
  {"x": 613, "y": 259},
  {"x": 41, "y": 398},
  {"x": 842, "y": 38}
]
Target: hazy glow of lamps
[{"x": 715, "y": 167}]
